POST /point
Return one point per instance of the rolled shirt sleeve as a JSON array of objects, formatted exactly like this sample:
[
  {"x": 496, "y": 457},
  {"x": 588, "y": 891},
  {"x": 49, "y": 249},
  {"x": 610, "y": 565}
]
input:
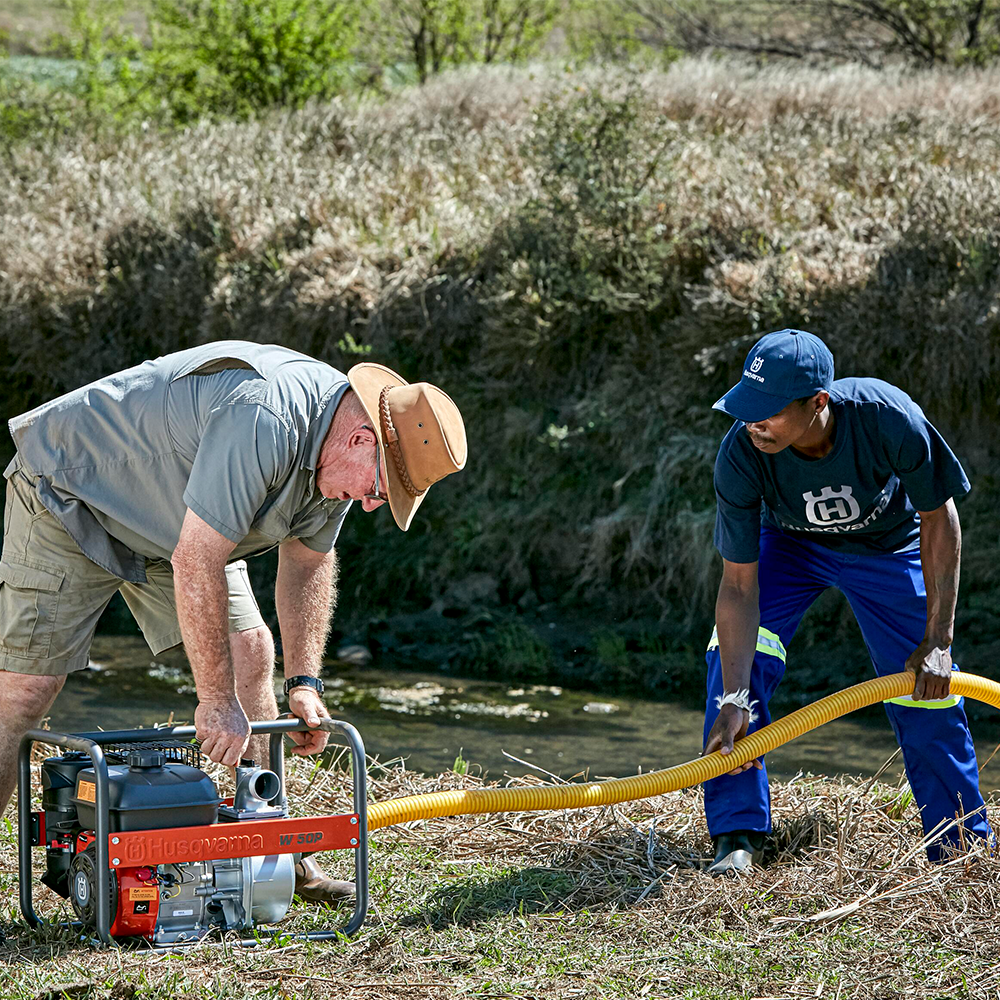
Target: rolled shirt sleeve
[
  {"x": 325, "y": 540},
  {"x": 244, "y": 451}
]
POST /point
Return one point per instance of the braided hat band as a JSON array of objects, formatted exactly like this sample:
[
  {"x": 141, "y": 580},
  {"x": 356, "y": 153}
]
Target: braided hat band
[{"x": 391, "y": 441}]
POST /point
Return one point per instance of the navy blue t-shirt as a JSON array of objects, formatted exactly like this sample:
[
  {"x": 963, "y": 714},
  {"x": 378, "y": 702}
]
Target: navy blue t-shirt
[{"x": 887, "y": 462}]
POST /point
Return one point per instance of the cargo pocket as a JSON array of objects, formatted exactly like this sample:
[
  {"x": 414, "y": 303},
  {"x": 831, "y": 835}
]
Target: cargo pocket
[{"x": 29, "y": 602}]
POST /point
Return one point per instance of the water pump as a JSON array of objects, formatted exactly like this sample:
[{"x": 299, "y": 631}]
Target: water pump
[{"x": 139, "y": 840}]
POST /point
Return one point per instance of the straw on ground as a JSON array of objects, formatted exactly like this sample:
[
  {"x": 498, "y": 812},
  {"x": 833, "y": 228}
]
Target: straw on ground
[{"x": 590, "y": 903}]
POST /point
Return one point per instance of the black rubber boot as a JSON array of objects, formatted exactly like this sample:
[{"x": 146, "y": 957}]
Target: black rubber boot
[{"x": 736, "y": 853}]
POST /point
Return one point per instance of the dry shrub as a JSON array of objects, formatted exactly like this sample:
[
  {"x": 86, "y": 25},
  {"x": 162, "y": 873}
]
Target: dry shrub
[{"x": 607, "y": 299}]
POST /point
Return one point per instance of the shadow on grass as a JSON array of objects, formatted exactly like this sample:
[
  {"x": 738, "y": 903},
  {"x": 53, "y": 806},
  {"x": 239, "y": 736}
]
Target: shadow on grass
[
  {"x": 21, "y": 944},
  {"x": 609, "y": 871},
  {"x": 474, "y": 900},
  {"x": 619, "y": 872},
  {"x": 793, "y": 838}
]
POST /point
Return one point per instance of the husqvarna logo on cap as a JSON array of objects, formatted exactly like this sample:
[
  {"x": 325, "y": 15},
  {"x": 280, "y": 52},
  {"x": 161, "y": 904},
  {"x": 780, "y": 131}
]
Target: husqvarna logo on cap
[{"x": 755, "y": 366}]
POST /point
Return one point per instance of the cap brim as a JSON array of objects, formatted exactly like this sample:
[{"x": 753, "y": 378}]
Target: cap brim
[
  {"x": 368, "y": 380},
  {"x": 745, "y": 403}
]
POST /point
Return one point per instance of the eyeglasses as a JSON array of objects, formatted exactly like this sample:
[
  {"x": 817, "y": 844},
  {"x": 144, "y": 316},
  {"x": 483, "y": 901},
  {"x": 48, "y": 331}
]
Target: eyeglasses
[{"x": 378, "y": 494}]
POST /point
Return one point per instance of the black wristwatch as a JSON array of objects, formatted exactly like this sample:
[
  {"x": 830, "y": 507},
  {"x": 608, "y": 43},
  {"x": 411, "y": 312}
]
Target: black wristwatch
[{"x": 294, "y": 682}]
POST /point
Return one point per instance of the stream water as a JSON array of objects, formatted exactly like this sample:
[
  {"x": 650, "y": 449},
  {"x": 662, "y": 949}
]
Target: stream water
[{"x": 430, "y": 720}]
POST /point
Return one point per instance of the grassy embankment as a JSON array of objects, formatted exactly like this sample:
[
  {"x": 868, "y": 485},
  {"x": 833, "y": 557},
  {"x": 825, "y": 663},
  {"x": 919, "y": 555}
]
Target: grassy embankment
[
  {"x": 583, "y": 264},
  {"x": 582, "y": 260},
  {"x": 589, "y": 903}
]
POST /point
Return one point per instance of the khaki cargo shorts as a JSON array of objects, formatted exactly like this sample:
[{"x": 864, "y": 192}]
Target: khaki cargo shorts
[{"x": 51, "y": 594}]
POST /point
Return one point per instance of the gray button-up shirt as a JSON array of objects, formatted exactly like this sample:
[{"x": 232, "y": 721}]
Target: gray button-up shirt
[{"x": 231, "y": 430}]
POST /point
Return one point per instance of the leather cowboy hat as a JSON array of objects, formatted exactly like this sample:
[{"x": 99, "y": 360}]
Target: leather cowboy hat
[{"x": 420, "y": 434}]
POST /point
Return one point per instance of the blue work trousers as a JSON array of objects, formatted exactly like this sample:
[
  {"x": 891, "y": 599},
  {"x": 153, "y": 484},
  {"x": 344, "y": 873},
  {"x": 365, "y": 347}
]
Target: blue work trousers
[{"x": 886, "y": 594}]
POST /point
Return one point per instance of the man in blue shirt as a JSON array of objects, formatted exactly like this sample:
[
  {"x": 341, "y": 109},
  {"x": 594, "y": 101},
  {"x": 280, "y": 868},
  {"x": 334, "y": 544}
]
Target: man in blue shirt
[{"x": 844, "y": 484}]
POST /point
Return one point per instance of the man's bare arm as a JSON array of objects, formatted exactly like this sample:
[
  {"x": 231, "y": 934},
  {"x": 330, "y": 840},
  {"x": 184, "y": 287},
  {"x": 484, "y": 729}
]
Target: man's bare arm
[
  {"x": 305, "y": 595},
  {"x": 940, "y": 559},
  {"x": 199, "y": 564},
  {"x": 737, "y": 619}
]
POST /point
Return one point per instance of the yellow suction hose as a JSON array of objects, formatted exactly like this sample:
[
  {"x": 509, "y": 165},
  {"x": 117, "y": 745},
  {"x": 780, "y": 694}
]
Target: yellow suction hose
[{"x": 693, "y": 772}]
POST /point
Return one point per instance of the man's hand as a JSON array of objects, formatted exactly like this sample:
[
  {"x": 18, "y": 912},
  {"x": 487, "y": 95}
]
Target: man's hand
[
  {"x": 224, "y": 730},
  {"x": 931, "y": 664},
  {"x": 730, "y": 726},
  {"x": 306, "y": 703}
]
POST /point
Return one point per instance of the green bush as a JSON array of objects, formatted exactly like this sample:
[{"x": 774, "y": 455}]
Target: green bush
[
  {"x": 104, "y": 52},
  {"x": 418, "y": 39},
  {"x": 32, "y": 112},
  {"x": 237, "y": 57},
  {"x": 588, "y": 262},
  {"x": 214, "y": 58}
]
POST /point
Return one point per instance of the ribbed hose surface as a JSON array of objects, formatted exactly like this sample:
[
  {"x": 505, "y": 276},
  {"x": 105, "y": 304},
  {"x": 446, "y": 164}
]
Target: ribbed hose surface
[{"x": 693, "y": 772}]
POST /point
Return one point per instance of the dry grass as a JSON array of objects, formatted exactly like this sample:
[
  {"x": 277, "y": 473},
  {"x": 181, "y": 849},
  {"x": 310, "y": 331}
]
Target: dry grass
[
  {"x": 596, "y": 903},
  {"x": 360, "y": 199},
  {"x": 730, "y": 89},
  {"x": 798, "y": 185}
]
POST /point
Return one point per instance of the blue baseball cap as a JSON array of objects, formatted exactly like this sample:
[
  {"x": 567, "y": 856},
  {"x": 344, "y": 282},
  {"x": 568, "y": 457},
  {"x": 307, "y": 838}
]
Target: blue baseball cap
[{"x": 780, "y": 368}]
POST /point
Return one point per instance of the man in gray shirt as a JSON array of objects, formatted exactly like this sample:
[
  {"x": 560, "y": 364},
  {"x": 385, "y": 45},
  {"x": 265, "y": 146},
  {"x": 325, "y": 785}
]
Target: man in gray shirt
[{"x": 157, "y": 482}]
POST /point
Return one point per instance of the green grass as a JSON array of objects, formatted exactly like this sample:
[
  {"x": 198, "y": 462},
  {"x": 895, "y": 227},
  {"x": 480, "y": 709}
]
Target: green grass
[
  {"x": 612, "y": 651},
  {"x": 511, "y": 651}
]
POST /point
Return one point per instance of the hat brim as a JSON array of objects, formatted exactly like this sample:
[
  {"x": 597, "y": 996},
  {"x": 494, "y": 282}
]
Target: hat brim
[
  {"x": 745, "y": 403},
  {"x": 368, "y": 380}
]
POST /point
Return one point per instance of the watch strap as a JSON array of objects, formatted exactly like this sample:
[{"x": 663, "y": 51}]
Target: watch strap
[{"x": 303, "y": 681}]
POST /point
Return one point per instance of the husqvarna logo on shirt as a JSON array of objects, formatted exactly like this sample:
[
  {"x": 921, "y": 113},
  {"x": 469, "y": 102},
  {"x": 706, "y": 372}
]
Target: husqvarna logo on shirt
[
  {"x": 831, "y": 506},
  {"x": 755, "y": 367}
]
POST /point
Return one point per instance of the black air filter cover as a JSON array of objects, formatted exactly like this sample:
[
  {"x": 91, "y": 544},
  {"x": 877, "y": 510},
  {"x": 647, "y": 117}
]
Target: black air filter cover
[{"x": 148, "y": 795}]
